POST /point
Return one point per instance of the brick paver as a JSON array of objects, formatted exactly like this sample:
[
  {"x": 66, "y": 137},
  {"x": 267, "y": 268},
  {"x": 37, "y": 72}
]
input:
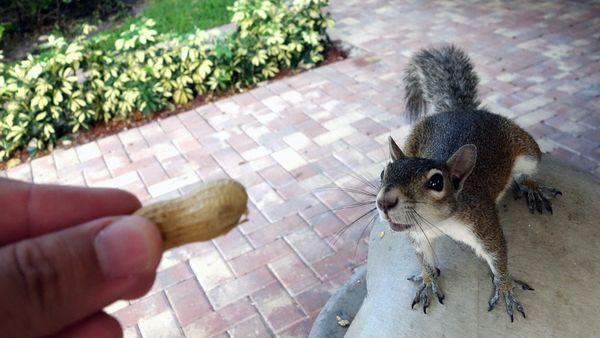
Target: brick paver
[{"x": 539, "y": 64}]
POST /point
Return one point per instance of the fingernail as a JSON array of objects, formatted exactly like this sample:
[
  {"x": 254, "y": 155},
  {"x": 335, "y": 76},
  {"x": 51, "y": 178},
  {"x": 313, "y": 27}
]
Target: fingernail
[{"x": 128, "y": 246}]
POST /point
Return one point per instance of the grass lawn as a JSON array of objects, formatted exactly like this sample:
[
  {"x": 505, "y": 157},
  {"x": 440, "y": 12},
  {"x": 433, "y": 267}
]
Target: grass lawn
[{"x": 178, "y": 16}]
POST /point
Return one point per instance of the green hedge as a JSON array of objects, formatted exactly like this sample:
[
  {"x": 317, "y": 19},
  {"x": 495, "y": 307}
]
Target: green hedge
[{"x": 77, "y": 84}]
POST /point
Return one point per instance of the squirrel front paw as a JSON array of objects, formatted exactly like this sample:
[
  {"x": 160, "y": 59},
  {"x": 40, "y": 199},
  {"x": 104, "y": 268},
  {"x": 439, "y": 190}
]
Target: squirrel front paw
[
  {"x": 429, "y": 283},
  {"x": 510, "y": 299},
  {"x": 537, "y": 196}
]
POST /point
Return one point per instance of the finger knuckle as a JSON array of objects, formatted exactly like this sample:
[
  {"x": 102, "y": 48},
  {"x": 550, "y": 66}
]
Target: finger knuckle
[{"x": 39, "y": 274}]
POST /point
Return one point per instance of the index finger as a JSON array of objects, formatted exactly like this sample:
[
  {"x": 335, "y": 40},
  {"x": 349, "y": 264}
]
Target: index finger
[{"x": 29, "y": 210}]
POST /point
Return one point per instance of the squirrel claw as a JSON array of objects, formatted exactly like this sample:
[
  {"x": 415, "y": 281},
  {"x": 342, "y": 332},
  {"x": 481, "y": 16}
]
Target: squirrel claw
[
  {"x": 440, "y": 298},
  {"x": 537, "y": 196},
  {"x": 415, "y": 278},
  {"x": 523, "y": 285},
  {"x": 425, "y": 288},
  {"x": 510, "y": 299}
]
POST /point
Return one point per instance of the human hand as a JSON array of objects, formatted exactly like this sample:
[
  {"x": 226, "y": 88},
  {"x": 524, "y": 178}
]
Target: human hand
[{"x": 67, "y": 252}]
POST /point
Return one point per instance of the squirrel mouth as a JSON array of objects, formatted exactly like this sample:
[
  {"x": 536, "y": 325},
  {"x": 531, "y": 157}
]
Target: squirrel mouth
[{"x": 398, "y": 226}]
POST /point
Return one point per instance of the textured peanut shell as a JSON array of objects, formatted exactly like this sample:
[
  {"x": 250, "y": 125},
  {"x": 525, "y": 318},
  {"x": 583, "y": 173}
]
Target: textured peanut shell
[{"x": 201, "y": 215}]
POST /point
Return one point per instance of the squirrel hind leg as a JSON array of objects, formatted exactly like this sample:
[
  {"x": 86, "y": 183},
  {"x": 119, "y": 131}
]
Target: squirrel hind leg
[
  {"x": 522, "y": 165},
  {"x": 537, "y": 196}
]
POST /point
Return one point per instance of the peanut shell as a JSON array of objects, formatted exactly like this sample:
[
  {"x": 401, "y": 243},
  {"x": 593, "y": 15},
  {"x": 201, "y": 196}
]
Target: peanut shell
[{"x": 201, "y": 215}]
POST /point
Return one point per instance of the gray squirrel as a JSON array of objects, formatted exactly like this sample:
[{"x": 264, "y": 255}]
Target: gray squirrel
[{"x": 456, "y": 166}]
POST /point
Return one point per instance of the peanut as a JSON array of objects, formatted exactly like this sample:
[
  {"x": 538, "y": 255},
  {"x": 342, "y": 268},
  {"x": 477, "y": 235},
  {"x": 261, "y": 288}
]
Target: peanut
[{"x": 207, "y": 212}]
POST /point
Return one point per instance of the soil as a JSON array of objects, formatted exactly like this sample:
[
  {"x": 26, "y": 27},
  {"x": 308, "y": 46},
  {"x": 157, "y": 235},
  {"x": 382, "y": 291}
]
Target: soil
[
  {"x": 333, "y": 53},
  {"x": 17, "y": 45}
]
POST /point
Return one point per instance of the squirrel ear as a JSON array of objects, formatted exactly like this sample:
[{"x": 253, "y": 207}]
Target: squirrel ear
[
  {"x": 395, "y": 150},
  {"x": 461, "y": 164}
]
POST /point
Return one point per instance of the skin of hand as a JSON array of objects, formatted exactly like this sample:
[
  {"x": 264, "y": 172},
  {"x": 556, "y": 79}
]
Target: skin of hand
[{"x": 65, "y": 254}]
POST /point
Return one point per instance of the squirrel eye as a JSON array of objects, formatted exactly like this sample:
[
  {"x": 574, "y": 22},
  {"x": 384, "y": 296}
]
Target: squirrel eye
[
  {"x": 381, "y": 175},
  {"x": 436, "y": 182}
]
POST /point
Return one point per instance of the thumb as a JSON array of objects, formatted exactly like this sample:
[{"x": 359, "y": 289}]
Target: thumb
[{"x": 52, "y": 281}]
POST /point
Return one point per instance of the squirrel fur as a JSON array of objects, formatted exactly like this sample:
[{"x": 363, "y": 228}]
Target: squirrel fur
[{"x": 456, "y": 165}]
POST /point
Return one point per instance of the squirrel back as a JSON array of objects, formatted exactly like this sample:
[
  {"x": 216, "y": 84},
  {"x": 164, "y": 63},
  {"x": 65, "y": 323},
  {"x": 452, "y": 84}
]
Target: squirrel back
[{"x": 442, "y": 77}]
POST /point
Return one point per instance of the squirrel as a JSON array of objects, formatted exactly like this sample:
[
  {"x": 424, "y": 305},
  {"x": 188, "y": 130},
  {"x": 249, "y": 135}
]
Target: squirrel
[{"x": 456, "y": 165}]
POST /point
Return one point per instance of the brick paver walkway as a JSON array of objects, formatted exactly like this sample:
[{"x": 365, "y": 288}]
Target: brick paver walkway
[{"x": 539, "y": 64}]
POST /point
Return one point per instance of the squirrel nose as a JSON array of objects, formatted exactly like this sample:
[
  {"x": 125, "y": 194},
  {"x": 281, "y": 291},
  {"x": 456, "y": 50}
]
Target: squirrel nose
[{"x": 385, "y": 204}]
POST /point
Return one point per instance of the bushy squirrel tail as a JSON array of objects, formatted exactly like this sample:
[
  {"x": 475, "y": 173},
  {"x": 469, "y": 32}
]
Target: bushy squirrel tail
[{"x": 442, "y": 77}]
